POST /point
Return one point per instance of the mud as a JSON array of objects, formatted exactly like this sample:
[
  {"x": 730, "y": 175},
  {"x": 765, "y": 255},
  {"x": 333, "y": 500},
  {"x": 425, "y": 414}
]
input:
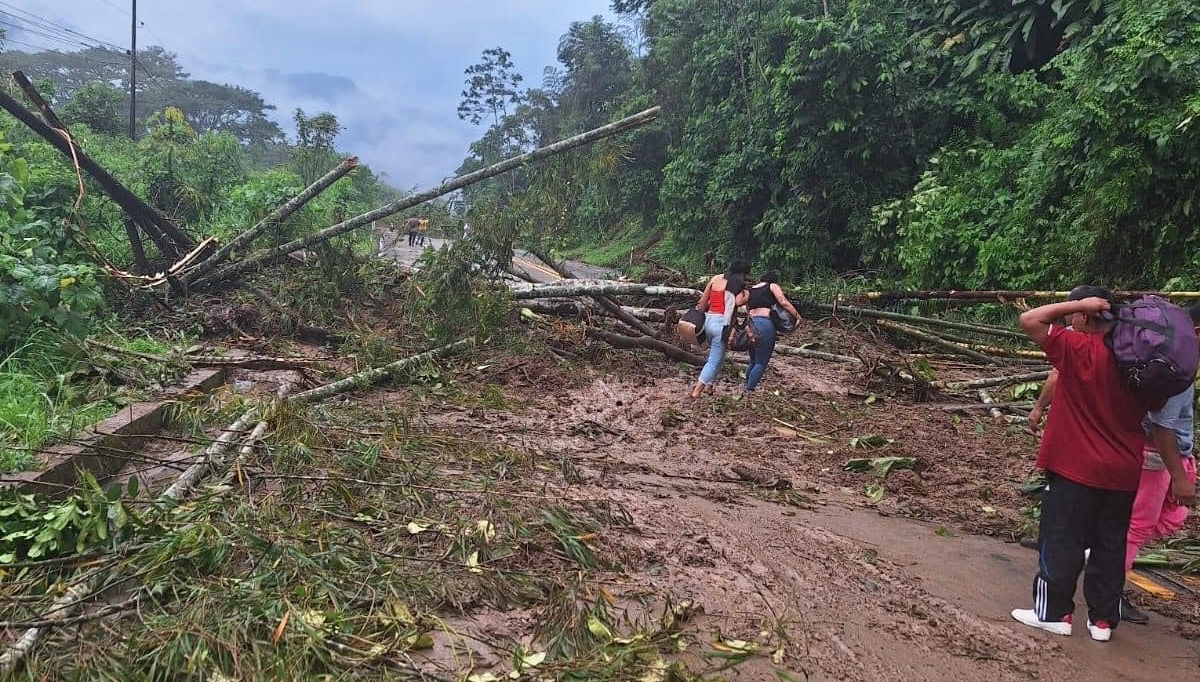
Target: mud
[{"x": 832, "y": 585}]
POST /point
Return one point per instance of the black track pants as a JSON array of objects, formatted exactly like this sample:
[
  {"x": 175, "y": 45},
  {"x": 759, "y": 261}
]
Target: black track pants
[{"x": 1076, "y": 517}]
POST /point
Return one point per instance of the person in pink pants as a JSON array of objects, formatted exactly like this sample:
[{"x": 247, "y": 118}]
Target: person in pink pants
[{"x": 1168, "y": 482}]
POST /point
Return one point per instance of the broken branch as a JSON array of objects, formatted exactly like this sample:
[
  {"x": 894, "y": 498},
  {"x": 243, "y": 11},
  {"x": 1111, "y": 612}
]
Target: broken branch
[
  {"x": 277, "y": 216},
  {"x": 251, "y": 262}
]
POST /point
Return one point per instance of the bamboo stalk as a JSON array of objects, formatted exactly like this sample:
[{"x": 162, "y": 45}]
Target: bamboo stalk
[
  {"x": 277, "y": 216},
  {"x": 816, "y": 354},
  {"x": 608, "y": 303},
  {"x": 648, "y": 342},
  {"x": 992, "y": 381},
  {"x": 375, "y": 374},
  {"x": 986, "y": 399},
  {"x": 998, "y": 295},
  {"x": 574, "y": 308},
  {"x": 588, "y": 287},
  {"x": 914, "y": 319},
  {"x": 942, "y": 343},
  {"x": 1027, "y": 353},
  {"x": 251, "y": 262}
]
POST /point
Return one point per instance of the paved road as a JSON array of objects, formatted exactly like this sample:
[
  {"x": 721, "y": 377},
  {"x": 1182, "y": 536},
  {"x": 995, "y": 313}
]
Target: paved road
[{"x": 392, "y": 245}]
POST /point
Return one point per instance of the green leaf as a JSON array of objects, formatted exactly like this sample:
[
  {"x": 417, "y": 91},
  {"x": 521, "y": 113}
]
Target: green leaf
[{"x": 598, "y": 628}]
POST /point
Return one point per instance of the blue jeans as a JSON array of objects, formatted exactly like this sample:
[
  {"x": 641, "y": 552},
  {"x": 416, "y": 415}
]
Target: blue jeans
[
  {"x": 714, "y": 329},
  {"x": 760, "y": 355}
]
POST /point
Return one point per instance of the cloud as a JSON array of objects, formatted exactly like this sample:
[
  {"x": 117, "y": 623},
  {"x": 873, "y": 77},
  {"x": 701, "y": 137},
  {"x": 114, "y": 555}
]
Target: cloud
[{"x": 391, "y": 71}]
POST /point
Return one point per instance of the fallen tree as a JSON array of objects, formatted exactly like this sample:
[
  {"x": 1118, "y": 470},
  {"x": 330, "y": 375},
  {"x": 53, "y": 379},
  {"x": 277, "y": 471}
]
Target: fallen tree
[
  {"x": 1001, "y": 295},
  {"x": 276, "y": 217},
  {"x": 160, "y": 229},
  {"x": 235, "y": 270},
  {"x": 590, "y": 287}
]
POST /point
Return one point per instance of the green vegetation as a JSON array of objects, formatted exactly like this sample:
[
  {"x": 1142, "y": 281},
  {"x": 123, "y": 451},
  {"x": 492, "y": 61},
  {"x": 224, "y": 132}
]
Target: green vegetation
[
  {"x": 207, "y": 158},
  {"x": 959, "y": 143}
]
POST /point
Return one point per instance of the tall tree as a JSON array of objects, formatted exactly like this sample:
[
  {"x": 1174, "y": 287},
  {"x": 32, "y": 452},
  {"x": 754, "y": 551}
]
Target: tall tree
[
  {"x": 597, "y": 67},
  {"x": 491, "y": 86},
  {"x": 99, "y": 106},
  {"x": 314, "y": 143}
]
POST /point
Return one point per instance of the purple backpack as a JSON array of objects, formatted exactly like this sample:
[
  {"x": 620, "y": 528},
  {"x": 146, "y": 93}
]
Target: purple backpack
[{"x": 1155, "y": 347}]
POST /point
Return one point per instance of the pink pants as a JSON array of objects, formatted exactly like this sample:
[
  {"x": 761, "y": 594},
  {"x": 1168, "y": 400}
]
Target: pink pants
[{"x": 1155, "y": 515}]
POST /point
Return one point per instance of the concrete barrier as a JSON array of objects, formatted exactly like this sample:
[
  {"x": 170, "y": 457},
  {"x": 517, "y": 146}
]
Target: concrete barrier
[{"x": 102, "y": 449}]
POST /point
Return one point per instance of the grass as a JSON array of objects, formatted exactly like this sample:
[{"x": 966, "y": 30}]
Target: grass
[
  {"x": 49, "y": 389},
  {"x": 614, "y": 252},
  {"x": 358, "y": 540}
]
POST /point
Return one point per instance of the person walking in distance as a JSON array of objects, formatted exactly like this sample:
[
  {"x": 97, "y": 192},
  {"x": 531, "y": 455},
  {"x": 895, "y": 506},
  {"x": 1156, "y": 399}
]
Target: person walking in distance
[
  {"x": 410, "y": 226},
  {"x": 422, "y": 229},
  {"x": 1092, "y": 455}
]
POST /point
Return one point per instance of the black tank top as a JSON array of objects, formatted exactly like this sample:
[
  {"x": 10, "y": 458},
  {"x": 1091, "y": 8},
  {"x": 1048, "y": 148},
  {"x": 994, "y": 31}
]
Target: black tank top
[{"x": 760, "y": 297}]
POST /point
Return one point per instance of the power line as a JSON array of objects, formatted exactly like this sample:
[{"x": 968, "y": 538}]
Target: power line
[
  {"x": 53, "y": 26},
  {"x": 58, "y": 38},
  {"x": 55, "y": 48}
]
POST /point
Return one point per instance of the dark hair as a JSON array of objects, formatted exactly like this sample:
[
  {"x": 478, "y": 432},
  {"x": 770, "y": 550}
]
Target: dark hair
[
  {"x": 734, "y": 282},
  {"x": 737, "y": 267},
  {"x": 770, "y": 276},
  {"x": 1194, "y": 311},
  {"x": 1089, "y": 291}
]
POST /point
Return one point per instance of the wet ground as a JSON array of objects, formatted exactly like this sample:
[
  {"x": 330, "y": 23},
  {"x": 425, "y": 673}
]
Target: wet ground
[{"x": 850, "y": 583}]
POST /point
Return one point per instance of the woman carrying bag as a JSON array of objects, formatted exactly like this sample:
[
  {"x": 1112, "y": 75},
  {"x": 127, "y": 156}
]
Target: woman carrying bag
[
  {"x": 762, "y": 298},
  {"x": 723, "y": 294}
]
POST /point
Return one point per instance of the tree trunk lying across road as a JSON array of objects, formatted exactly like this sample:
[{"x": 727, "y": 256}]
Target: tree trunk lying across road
[
  {"x": 942, "y": 343},
  {"x": 575, "y": 308},
  {"x": 915, "y": 319},
  {"x": 591, "y": 287},
  {"x": 992, "y": 381},
  {"x": 629, "y": 342},
  {"x": 997, "y": 295}
]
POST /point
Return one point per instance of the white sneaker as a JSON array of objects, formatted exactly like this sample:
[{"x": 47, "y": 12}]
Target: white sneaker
[
  {"x": 1029, "y": 617},
  {"x": 1100, "y": 630}
]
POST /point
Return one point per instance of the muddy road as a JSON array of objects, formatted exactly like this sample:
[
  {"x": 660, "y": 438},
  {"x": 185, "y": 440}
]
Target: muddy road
[{"x": 824, "y": 581}]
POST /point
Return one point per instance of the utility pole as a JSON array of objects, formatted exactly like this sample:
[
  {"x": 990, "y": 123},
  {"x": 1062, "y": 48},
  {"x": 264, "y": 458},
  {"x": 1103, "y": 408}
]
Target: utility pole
[{"x": 133, "y": 73}]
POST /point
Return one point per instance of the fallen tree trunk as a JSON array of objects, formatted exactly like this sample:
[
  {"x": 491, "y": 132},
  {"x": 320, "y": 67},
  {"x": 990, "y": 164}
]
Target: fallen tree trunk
[
  {"x": 647, "y": 342},
  {"x": 941, "y": 343},
  {"x": 252, "y": 262},
  {"x": 816, "y": 354},
  {"x": 254, "y": 362},
  {"x": 135, "y": 208},
  {"x": 914, "y": 319},
  {"x": 277, "y": 216},
  {"x": 1001, "y": 295},
  {"x": 575, "y": 308},
  {"x": 606, "y": 302},
  {"x": 991, "y": 381},
  {"x": 375, "y": 374},
  {"x": 589, "y": 287}
]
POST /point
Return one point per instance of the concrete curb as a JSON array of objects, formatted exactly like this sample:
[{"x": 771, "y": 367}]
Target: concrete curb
[{"x": 101, "y": 449}]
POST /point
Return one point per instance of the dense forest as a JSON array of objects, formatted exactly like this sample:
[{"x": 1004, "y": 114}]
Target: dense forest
[{"x": 956, "y": 143}]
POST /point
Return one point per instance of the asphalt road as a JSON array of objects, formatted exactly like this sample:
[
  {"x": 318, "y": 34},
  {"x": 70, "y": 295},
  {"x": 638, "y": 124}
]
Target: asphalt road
[{"x": 395, "y": 246}]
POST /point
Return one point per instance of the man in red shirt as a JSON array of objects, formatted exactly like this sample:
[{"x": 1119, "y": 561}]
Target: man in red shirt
[{"x": 1092, "y": 455}]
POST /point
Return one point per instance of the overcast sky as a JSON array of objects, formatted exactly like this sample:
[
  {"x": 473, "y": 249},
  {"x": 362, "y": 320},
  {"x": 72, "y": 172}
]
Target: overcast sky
[{"x": 391, "y": 70}]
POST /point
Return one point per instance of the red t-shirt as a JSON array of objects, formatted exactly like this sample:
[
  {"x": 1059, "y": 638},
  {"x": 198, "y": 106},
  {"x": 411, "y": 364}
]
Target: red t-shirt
[{"x": 1094, "y": 431}]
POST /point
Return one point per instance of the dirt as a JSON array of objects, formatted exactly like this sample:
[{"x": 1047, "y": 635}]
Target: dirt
[{"x": 828, "y": 583}]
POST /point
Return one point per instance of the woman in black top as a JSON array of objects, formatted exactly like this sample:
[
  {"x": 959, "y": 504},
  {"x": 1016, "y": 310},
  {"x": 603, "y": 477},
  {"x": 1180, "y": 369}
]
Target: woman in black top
[{"x": 762, "y": 296}]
